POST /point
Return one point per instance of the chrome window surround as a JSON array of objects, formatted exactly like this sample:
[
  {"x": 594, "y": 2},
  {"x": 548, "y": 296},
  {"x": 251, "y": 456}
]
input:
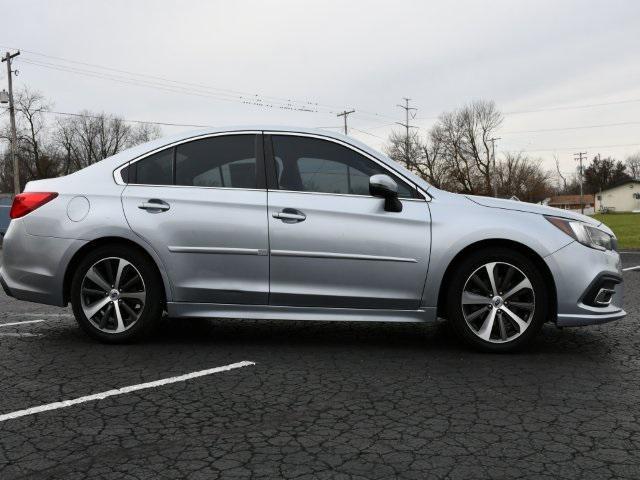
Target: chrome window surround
[{"x": 117, "y": 173}]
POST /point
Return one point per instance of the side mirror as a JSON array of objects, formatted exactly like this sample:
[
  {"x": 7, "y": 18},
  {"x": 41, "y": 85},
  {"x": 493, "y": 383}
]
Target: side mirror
[{"x": 384, "y": 186}]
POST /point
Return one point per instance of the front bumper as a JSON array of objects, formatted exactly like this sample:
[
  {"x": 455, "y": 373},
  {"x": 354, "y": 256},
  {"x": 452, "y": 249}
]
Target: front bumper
[
  {"x": 575, "y": 268},
  {"x": 33, "y": 267}
]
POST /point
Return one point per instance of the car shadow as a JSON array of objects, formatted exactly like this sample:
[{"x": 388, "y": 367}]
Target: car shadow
[{"x": 360, "y": 335}]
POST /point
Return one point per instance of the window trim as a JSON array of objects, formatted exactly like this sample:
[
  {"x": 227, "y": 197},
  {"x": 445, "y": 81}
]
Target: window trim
[
  {"x": 272, "y": 181},
  {"x": 260, "y": 161},
  {"x": 265, "y": 157}
]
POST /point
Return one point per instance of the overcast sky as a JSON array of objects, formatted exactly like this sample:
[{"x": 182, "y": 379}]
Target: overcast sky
[{"x": 525, "y": 55}]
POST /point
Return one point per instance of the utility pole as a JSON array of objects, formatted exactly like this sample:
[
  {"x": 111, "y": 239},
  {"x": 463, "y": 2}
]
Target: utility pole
[
  {"x": 12, "y": 116},
  {"x": 579, "y": 157},
  {"x": 495, "y": 169},
  {"x": 345, "y": 114},
  {"x": 406, "y": 125}
]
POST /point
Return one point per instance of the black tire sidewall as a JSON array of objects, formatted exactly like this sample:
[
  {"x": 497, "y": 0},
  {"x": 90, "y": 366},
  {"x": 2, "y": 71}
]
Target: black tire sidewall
[
  {"x": 474, "y": 261},
  {"x": 153, "y": 306}
]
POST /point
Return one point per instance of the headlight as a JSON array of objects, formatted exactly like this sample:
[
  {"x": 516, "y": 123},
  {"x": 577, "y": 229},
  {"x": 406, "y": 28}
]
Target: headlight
[{"x": 586, "y": 234}]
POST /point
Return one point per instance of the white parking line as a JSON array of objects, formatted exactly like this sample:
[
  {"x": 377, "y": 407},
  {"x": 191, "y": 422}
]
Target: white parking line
[
  {"x": 40, "y": 315},
  {"x": 631, "y": 269},
  {"x": 19, "y": 323},
  {"x": 120, "y": 391},
  {"x": 18, "y": 335}
]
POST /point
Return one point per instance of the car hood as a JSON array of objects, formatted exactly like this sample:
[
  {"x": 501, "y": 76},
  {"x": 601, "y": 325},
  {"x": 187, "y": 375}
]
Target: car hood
[{"x": 530, "y": 208}]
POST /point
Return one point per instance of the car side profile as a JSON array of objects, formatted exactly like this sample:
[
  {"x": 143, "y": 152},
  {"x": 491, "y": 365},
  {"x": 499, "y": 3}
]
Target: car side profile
[{"x": 288, "y": 223}]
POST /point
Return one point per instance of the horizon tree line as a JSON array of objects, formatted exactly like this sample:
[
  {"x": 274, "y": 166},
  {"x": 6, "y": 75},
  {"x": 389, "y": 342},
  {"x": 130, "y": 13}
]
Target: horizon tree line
[{"x": 455, "y": 154}]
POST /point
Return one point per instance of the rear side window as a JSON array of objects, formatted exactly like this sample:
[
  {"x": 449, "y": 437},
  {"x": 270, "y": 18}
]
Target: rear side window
[
  {"x": 306, "y": 164},
  {"x": 156, "y": 169},
  {"x": 226, "y": 161}
]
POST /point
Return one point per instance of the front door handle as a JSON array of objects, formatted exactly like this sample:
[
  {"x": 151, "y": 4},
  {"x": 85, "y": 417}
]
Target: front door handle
[
  {"x": 290, "y": 215},
  {"x": 154, "y": 205}
]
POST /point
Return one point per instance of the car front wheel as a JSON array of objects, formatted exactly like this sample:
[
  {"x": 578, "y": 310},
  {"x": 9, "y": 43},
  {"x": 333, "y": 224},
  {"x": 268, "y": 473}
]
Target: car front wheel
[
  {"x": 116, "y": 294},
  {"x": 497, "y": 300}
]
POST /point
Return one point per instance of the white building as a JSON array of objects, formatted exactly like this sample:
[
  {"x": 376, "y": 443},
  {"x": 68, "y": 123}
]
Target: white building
[{"x": 623, "y": 197}]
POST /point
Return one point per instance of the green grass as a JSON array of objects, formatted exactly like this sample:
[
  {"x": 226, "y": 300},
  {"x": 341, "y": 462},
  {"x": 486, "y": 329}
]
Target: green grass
[{"x": 626, "y": 226}]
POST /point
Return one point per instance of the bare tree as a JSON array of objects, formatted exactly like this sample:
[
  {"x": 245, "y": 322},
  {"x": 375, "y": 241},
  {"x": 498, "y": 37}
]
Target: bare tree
[
  {"x": 406, "y": 151},
  {"x": 143, "y": 132},
  {"x": 45, "y": 150},
  {"x": 35, "y": 157},
  {"x": 522, "y": 177},
  {"x": 562, "y": 178},
  {"x": 457, "y": 155},
  {"x": 88, "y": 138},
  {"x": 633, "y": 165}
]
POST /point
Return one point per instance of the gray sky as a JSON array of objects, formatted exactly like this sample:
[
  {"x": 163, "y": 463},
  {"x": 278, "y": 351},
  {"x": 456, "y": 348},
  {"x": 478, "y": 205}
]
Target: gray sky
[{"x": 367, "y": 55}]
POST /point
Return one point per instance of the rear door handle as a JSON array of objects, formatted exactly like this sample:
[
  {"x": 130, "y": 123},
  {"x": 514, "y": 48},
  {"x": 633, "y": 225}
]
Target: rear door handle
[
  {"x": 290, "y": 215},
  {"x": 154, "y": 205}
]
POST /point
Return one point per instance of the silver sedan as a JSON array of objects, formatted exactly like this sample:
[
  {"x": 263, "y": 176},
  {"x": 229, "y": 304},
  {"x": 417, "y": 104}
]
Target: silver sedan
[{"x": 282, "y": 223}]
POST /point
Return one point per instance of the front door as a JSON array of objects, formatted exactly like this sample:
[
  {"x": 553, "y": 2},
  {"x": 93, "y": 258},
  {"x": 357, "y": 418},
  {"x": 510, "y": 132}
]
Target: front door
[
  {"x": 202, "y": 206},
  {"x": 334, "y": 245}
]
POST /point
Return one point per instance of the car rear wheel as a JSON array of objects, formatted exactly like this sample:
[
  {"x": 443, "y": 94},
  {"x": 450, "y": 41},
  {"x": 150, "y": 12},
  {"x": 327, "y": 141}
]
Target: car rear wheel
[
  {"x": 497, "y": 300},
  {"x": 116, "y": 294}
]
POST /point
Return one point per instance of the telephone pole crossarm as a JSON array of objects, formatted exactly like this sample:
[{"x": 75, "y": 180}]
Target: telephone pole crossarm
[
  {"x": 345, "y": 114},
  {"x": 407, "y": 141},
  {"x": 13, "y": 144},
  {"x": 495, "y": 168},
  {"x": 579, "y": 157}
]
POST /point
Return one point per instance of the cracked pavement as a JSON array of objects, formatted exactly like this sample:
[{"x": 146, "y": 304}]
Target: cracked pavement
[{"x": 324, "y": 400}]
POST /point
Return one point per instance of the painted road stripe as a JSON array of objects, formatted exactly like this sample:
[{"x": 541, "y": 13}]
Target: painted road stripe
[
  {"x": 121, "y": 391},
  {"x": 19, "y": 323},
  {"x": 15, "y": 334},
  {"x": 40, "y": 315},
  {"x": 631, "y": 269}
]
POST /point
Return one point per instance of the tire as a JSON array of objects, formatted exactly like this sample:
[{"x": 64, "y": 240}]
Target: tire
[
  {"x": 501, "y": 319},
  {"x": 117, "y": 315}
]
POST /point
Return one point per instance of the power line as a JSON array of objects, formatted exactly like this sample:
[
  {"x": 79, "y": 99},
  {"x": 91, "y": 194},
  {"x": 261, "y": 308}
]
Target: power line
[
  {"x": 556, "y": 108},
  {"x": 167, "y": 124},
  {"x": 174, "y": 89},
  {"x": 574, "y": 107},
  {"x": 367, "y": 133},
  {"x": 580, "y": 127},
  {"x": 177, "y": 82},
  {"x": 576, "y": 148},
  {"x": 160, "y": 82}
]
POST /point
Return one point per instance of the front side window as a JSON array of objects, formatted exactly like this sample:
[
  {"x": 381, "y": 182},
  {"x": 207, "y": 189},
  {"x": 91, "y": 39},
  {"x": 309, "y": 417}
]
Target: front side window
[
  {"x": 313, "y": 165},
  {"x": 227, "y": 161}
]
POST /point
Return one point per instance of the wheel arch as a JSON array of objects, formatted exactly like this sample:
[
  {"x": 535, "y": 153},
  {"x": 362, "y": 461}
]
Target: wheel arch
[
  {"x": 494, "y": 243},
  {"x": 112, "y": 240}
]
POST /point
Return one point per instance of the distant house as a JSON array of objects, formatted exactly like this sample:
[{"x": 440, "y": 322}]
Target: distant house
[
  {"x": 572, "y": 202},
  {"x": 622, "y": 197}
]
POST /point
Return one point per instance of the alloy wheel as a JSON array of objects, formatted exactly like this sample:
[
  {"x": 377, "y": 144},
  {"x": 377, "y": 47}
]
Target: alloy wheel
[
  {"x": 498, "y": 302},
  {"x": 113, "y": 295}
]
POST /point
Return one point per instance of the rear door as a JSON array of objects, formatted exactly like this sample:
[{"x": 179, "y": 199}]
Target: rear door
[
  {"x": 334, "y": 245},
  {"x": 202, "y": 205}
]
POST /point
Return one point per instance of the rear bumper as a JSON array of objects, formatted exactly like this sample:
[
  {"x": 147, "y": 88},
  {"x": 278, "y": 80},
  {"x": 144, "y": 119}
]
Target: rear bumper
[
  {"x": 33, "y": 267},
  {"x": 575, "y": 269}
]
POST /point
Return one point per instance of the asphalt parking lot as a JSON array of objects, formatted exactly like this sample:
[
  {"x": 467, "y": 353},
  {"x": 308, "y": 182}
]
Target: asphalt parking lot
[{"x": 319, "y": 400}]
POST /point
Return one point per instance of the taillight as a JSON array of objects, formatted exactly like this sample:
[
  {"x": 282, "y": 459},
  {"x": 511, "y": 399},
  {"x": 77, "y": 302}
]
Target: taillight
[{"x": 27, "y": 202}]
